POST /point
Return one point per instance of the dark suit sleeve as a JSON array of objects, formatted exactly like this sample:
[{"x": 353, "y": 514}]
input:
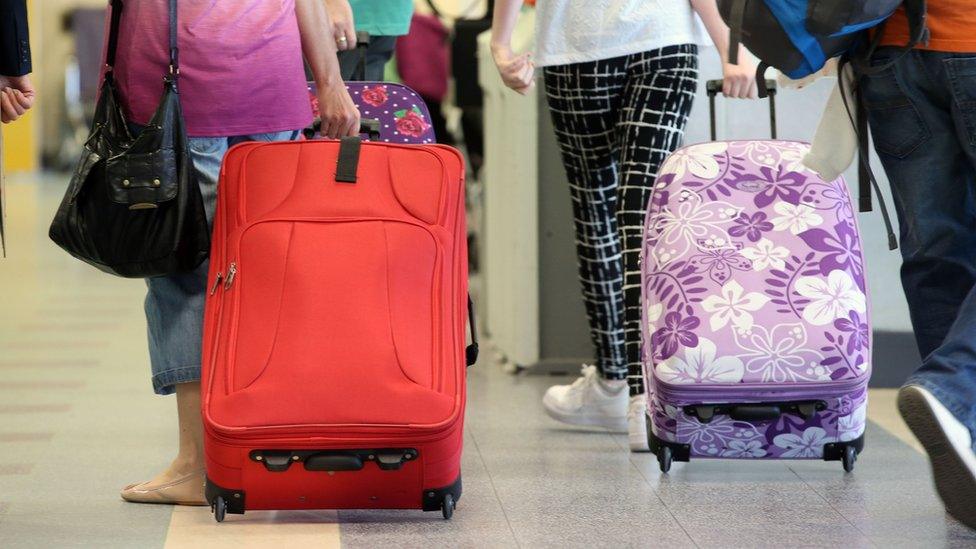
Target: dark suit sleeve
[{"x": 15, "y": 55}]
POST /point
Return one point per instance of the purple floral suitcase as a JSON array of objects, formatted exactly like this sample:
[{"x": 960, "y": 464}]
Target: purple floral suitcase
[
  {"x": 402, "y": 115},
  {"x": 756, "y": 339}
]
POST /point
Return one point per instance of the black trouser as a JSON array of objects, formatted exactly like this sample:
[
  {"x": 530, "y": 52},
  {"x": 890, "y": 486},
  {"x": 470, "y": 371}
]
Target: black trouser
[{"x": 616, "y": 121}]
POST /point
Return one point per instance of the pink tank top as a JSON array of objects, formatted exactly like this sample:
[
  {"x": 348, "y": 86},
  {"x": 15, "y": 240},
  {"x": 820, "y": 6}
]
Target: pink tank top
[{"x": 241, "y": 68}]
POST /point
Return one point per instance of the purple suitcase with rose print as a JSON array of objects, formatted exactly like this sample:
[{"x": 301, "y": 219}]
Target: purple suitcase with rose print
[
  {"x": 756, "y": 337},
  {"x": 403, "y": 116},
  {"x": 397, "y": 111}
]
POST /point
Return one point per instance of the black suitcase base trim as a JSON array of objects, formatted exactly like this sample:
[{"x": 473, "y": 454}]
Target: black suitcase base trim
[
  {"x": 846, "y": 452},
  {"x": 233, "y": 499},
  {"x": 433, "y": 498},
  {"x": 223, "y": 500},
  {"x": 678, "y": 451},
  {"x": 834, "y": 451}
]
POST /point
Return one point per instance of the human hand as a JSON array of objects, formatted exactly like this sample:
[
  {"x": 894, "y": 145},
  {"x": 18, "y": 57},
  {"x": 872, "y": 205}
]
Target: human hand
[
  {"x": 343, "y": 25},
  {"x": 517, "y": 71},
  {"x": 16, "y": 97},
  {"x": 739, "y": 81},
  {"x": 339, "y": 114}
]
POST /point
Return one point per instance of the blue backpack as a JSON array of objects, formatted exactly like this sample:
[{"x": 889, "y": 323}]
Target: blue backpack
[{"x": 799, "y": 36}]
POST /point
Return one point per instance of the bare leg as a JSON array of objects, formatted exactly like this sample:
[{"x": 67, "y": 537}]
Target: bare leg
[{"x": 182, "y": 482}]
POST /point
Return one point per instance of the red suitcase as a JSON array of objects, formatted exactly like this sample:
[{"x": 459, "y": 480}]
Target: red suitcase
[{"x": 334, "y": 341}]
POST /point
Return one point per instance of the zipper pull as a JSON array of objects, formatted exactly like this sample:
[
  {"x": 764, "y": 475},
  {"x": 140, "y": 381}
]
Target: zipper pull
[
  {"x": 216, "y": 284},
  {"x": 231, "y": 272}
]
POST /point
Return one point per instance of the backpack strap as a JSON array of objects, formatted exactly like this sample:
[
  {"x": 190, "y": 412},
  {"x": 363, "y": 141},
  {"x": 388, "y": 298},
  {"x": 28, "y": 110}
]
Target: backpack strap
[
  {"x": 915, "y": 11},
  {"x": 737, "y": 15},
  {"x": 863, "y": 175},
  {"x": 762, "y": 88},
  {"x": 866, "y": 179}
]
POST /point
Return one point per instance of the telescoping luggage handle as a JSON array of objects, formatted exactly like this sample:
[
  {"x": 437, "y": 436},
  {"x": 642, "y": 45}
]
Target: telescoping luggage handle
[
  {"x": 362, "y": 49},
  {"x": 714, "y": 87}
]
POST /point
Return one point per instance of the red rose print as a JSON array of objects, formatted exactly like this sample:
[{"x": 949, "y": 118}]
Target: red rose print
[
  {"x": 315, "y": 103},
  {"x": 374, "y": 96},
  {"x": 411, "y": 124}
]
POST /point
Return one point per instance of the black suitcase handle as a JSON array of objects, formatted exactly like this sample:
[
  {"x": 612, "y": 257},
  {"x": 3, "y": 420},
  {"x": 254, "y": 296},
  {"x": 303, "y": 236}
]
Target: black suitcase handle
[
  {"x": 758, "y": 411},
  {"x": 714, "y": 87},
  {"x": 387, "y": 459},
  {"x": 369, "y": 127}
]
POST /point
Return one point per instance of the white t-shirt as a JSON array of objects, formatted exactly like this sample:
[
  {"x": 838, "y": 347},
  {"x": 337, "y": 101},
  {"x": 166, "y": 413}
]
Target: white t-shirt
[{"x": 576, "y": 31}]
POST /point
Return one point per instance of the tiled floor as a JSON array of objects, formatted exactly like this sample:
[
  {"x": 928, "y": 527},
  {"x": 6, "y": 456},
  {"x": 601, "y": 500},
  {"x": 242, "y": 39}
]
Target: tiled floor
[{"x": 78, "y": 420}]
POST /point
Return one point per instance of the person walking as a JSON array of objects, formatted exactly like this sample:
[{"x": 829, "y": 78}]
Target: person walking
[
  {"x": 16, "y": 92},
  {"x": 620, "y": 79},
  {"x": 383, "y": 20},
  {"x": 922, "y": 114},
  {"x": 241, "y": 79}
]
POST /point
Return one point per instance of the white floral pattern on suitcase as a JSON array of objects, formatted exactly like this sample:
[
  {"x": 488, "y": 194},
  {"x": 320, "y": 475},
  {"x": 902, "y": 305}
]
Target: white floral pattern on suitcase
[{"x": 753, "y": 274}]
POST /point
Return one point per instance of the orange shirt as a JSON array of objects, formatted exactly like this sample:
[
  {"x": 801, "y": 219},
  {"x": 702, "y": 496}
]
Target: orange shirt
[{"x": 952, "y": 26}]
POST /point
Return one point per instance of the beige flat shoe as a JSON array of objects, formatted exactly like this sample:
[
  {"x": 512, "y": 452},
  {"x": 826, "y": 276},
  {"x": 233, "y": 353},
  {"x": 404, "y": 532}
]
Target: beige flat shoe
[{"x": 187, "y": 490}]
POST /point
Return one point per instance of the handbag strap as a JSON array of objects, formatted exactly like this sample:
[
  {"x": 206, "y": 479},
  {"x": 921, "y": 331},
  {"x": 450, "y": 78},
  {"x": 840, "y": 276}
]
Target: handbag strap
[
  {"x": 113, "y": 38},
  {"x": 174, "y": 50}
]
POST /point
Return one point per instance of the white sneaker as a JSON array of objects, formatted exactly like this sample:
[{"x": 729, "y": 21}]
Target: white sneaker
[
  {"x": 950, "y": 448},
  {"x": 590, "y": 400},
  {"x": 637, "y": 424}
]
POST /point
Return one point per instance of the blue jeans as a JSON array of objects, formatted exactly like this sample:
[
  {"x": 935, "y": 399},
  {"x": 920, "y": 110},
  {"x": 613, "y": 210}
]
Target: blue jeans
[
  {"x": 922, "y": 113},
  {"x": 174, "y": 304}
]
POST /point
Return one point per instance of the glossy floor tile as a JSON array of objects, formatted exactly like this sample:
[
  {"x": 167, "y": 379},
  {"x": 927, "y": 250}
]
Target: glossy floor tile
[{"x": 78, "y": 420}]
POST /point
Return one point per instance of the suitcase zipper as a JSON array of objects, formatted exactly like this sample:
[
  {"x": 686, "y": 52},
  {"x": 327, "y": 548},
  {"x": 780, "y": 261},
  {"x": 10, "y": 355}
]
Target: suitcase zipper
[
  {"x": 752, "y": 391},
  {"x": 298, "y": 441},
  {"x": 216, "y": 284},
  {"x": 231, "y": 273}
]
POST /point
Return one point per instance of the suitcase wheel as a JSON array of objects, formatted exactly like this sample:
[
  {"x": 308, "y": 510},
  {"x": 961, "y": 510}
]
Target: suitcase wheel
[
  {"x": 447, "y": 507},
  {"x": 664, "y": 458},
  {"x": 850, "y": 457},
  {"x": 219, "y": 509}
]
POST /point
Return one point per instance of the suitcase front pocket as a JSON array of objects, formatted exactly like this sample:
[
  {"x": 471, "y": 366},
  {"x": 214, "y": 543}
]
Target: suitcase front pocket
[{"x": 336, "y": 322}]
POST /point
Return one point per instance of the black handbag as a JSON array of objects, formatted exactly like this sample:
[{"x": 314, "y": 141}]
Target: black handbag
[{"x": 133, "y": 207}]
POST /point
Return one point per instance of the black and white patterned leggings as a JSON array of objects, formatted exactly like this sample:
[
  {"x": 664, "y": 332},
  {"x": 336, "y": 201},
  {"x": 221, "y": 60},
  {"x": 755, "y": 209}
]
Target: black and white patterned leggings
[{"x": 616, "y": 121}]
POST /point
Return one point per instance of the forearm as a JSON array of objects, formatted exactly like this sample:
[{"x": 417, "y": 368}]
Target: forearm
[
  {"x": 318, "y": 43},
  {"x": 718, "y": 31},
  {"x": 503, "y": 22}
]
